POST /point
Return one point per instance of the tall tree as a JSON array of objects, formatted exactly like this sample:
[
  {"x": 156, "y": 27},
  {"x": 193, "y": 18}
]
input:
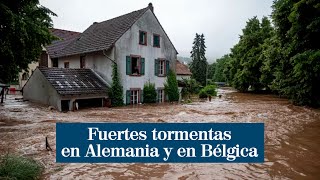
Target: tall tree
[
  {"x": 24, "y": 29},
  {"x": 198, "y": 65},
  {"x": 219, "y": 75},
  {"x": 298, "y": 72},
  {"x": 245, "y": 63}
]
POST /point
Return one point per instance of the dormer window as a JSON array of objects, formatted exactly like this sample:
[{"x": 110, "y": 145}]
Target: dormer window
[{"x": 142, "y": 37}]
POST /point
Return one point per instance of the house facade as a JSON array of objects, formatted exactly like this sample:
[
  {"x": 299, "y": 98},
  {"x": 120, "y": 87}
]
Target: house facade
[{"x": 136, "y": 42}]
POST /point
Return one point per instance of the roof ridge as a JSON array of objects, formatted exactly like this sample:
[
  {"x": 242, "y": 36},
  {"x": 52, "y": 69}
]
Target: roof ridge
[
  {"x": 146, "y": 8},
  {"x": 134, "y": 14},
  {"x": 64, "y": 30}
]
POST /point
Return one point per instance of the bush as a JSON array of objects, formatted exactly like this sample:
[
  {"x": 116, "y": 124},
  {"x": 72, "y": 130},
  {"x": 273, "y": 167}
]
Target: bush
[
  {"x": 208, "y": 91},
  {"x": 149, "y": 93},
  {"x": 18, "y": 167},
  {"x": 191, "y": 86},
  {"x": 203, "y": 94},
  {"x": 171, "y": 87}
]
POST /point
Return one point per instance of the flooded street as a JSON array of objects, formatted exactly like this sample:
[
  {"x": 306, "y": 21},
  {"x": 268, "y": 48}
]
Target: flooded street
[{"x": 292, "y": 138}]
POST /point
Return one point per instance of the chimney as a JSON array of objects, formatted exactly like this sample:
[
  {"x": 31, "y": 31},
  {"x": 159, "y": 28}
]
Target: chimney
[{"x": 150, "y": 6}]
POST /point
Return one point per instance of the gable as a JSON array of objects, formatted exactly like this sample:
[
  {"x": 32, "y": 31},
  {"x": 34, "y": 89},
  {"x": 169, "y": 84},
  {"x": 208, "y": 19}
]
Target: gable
[{"x": 103, "y": 35}]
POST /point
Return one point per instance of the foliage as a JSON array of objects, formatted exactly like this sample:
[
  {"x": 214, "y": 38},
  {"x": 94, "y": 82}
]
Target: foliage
[
  {"x": 171, "y": 87},
  {"x": 116, "y": 91},
  {"x": 203, "y": 94},
  {"x": 149, "y": 93},
  {"x": 208, "y": 91},
  {"x": 191, "y": 86},
  {"x": 297, "y": 74},
  {"x": 199, "y": 63},
  {"x": 219, "y": 76},
  {"x": 245, "y": 64},
  {"x": 24, "y": 29},
  {"x": 211, "y": 70},
  {"x": 18, "y": 167},
  {"x": 283, "y": 59}
]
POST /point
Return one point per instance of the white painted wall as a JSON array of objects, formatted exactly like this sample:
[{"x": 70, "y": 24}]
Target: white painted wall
[
  {"x": 128, "y": 45},
  {"x": 39, "y": 90},
  {"x": 74, "y": 61}
]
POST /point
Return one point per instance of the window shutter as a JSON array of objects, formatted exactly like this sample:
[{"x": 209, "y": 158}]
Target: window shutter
[
  {"x": 167, "y": 67},
  {"x": 141, "y": 96},
  {"x": 128, "y": 65},
  {"x": 128, "y": 97},
  {"x": 142, "y": 66},
  {"x": 156, "y": 67}
]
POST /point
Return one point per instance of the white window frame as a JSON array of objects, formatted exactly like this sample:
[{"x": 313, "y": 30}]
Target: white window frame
[{"x": 134, "y": 96}]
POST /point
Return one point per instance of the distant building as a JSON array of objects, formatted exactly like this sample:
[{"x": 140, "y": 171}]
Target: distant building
[{"x": 182, "y": 71}]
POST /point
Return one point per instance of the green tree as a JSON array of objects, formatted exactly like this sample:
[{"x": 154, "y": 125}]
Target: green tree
[
  {"x": 211, "y": 70},
  {"x": 219, "y": 75},
  {"x": 171, "y": 87},
  {"x": 116, "y": 91},
  {"x": 298, "y": 71},
  {"x": 198, "y": 65},
  {"x": 243, "y": 67},
  {"x": 24, "y": 29},
  {"x": 149, "y": 93}
]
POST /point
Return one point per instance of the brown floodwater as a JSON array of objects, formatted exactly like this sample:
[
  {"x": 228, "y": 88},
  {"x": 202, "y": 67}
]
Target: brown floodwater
[{"x": 292, "y": 137}]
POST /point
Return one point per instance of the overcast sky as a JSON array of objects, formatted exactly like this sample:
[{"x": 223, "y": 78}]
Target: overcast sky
[{"x": 221, "y": 21}]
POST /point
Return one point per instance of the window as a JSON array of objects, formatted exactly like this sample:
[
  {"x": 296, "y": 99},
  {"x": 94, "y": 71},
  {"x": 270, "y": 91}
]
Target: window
[
  {"x": 82, "y": 62},
  {"x": 160, "y": 95},
  {"x": 156, "y": 40},
  {"x": 134, "y": 96},
  {"x": 55, "y": 62},
  {"x": 142, "y": 37},
  {"x": 43, "y": 59},
  {"x": 66, "y": 64},
  {"x": 161, "y": 67},
  {"x": 135, "y": 65}
]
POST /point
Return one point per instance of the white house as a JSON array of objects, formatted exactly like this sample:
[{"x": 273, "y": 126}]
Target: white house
[{"x": 135, "y": 41}]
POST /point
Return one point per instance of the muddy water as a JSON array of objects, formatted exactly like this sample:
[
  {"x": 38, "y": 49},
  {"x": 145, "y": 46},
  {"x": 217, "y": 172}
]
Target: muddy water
[{"x": 292, "y": 138}]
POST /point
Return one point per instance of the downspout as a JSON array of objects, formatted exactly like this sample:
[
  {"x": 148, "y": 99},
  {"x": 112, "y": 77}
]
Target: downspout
[{"x": 103, "y": 52}]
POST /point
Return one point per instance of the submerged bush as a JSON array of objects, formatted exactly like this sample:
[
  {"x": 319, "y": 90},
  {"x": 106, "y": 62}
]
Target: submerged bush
[
  {"x": 149, "y": 93},
  {"x": 202, "y": 94},
  {"x": 18, "y": 167},
  {"x": 208, "y": 91}
]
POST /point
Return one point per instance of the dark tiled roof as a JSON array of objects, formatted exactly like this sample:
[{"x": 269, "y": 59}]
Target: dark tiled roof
[
  {"x": 65, "y": 37},
  {"x": 103, "y": 35},
  {"x": 182, "y": 69},
  {"x": 74, "y": 81}
]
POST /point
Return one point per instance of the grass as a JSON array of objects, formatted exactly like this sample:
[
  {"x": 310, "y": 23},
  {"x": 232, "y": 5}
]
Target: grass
[{"x": 18, "y": 167}]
